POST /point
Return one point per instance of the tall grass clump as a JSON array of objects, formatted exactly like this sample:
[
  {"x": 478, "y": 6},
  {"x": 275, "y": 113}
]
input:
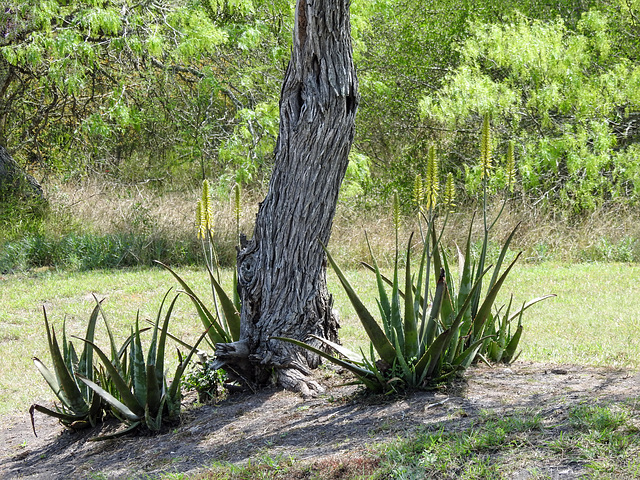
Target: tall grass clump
[
  {"x": 430, "y": 326},
  {"x": 89, "y": 251}
]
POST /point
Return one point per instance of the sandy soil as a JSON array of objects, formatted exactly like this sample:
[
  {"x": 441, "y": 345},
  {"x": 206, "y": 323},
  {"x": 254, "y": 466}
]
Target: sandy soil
[{"x": 275, "y": 424}]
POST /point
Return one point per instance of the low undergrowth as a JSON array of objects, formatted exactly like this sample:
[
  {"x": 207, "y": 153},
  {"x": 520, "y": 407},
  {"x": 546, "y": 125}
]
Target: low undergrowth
[
  {"x": 591, "y": 441},
  {"x": 101, "y": 226}
]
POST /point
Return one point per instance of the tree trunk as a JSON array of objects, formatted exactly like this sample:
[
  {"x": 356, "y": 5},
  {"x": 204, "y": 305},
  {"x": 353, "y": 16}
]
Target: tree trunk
[
  {"x": 282, "y": 269},
  {"x": 15, "y": 183}
]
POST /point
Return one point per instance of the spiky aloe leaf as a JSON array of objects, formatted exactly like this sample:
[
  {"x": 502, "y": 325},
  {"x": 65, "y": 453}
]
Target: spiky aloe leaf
[
  {"x": 154, "y": 393},
  {"x": 395, "y": 320},
  {"x": 385, "y": 306},
  {"x": 376, "y": 335},
  {"x": 503, "y": 252},
  {"x": 367, "y": 377},
  {"x": 65, "y": 417},
  {"x": 85, "y": 364},
  {"x": 68, "y": 387},
  {"x": 115, "y": 354},
  {"x": 384, "y": 279},
  {"x": 51, "y": 379},
  {"x": 466, "y": 278},
  {"x": 111, "y": 400},
  {"x": 128, "y": 398},
  {"x": 487, "y": 304},
  {"x": 431, "y": 358},
  {"x": 466, "y": 358},
  {"x": 231, "y": 315},
  {"x": 531, "y": 303},
  {"x": 350, "y": 355},
  {"x": 217, "y": 334},
  {"x": 410, "y": 324},
  {"x": 164, "y": 332},
  {"x": 138, "y": 367},
  {"x": 511, "y": 347},
  {"x": 153, "y": 416},
  {"x": 430, "y": 331}
]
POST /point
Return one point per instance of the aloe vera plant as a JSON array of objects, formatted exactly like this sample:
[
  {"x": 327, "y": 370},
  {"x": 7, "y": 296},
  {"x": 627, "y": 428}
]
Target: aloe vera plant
[
  {"x": 144, "y": 394},
  {"x": 222, "y": 320},
  {"x": 417, "y": 345},
  {"x": 79, "y": 407}
]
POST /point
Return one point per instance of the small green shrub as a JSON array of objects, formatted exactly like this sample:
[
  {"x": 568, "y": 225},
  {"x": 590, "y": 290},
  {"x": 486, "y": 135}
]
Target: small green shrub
[{"x": 206, "y": 380}]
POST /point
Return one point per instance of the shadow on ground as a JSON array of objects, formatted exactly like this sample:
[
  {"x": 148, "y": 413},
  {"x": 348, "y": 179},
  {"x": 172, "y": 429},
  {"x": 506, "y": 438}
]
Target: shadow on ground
[{"x": 275, "y": 425}]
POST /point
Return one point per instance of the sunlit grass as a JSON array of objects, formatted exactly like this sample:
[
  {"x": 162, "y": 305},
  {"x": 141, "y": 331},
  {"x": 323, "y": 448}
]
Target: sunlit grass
[{"x": 594, "y": 320}]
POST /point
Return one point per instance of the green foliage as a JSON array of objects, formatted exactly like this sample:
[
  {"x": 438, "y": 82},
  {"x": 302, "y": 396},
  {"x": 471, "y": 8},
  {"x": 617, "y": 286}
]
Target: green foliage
[
  {"x": 86, "y": 251},
  {"x": 564, "y": 93},
  {"x": 150, "y": 90},
  {"x": 459, "y": 454},
  {"x": 206, "y": 380}
]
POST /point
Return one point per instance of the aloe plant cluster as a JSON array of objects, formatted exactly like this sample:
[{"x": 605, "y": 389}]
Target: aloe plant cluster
[
  {"x": 430, "y": 326},
  {"x": 125, "y": 384}
]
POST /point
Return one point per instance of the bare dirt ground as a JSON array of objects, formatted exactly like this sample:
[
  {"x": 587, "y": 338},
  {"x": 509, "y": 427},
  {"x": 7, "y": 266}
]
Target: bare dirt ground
[{"x": 274, "y": 424}]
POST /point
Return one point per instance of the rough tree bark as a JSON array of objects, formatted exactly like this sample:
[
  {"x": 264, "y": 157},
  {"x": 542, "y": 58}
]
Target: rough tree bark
[
  {"x": 15, "y": 183},
  {"x": 282, "y": 269}
]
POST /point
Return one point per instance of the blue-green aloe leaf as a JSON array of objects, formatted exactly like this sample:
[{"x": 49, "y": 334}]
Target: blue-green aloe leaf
[{"x": 380, "y": 342}]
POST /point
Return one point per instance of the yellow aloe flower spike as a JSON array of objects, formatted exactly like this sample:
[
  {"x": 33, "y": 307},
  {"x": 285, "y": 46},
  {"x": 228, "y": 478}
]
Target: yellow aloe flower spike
[
  {"x": 511, "y": 166},
  {"x": 418, "y": 191},
  {"x": 449, "y": 193},
  {"x": 485, "y": 147},
  {"x": 205, "y": 212},
  {"x": 199, "y": 224},
  {"x": 431, "y": 181}
]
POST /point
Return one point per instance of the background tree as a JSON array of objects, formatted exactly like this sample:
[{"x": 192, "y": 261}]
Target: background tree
[
  {"x": 282, "y": 269},
  {"x": 567, "y": 96},
  {"x": 130, "y": 89}
]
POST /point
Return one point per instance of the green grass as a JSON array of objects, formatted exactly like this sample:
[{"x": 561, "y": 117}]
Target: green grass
[
  {"x": 599, "y": 441},
  {"x": 595, "y": 319}
]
